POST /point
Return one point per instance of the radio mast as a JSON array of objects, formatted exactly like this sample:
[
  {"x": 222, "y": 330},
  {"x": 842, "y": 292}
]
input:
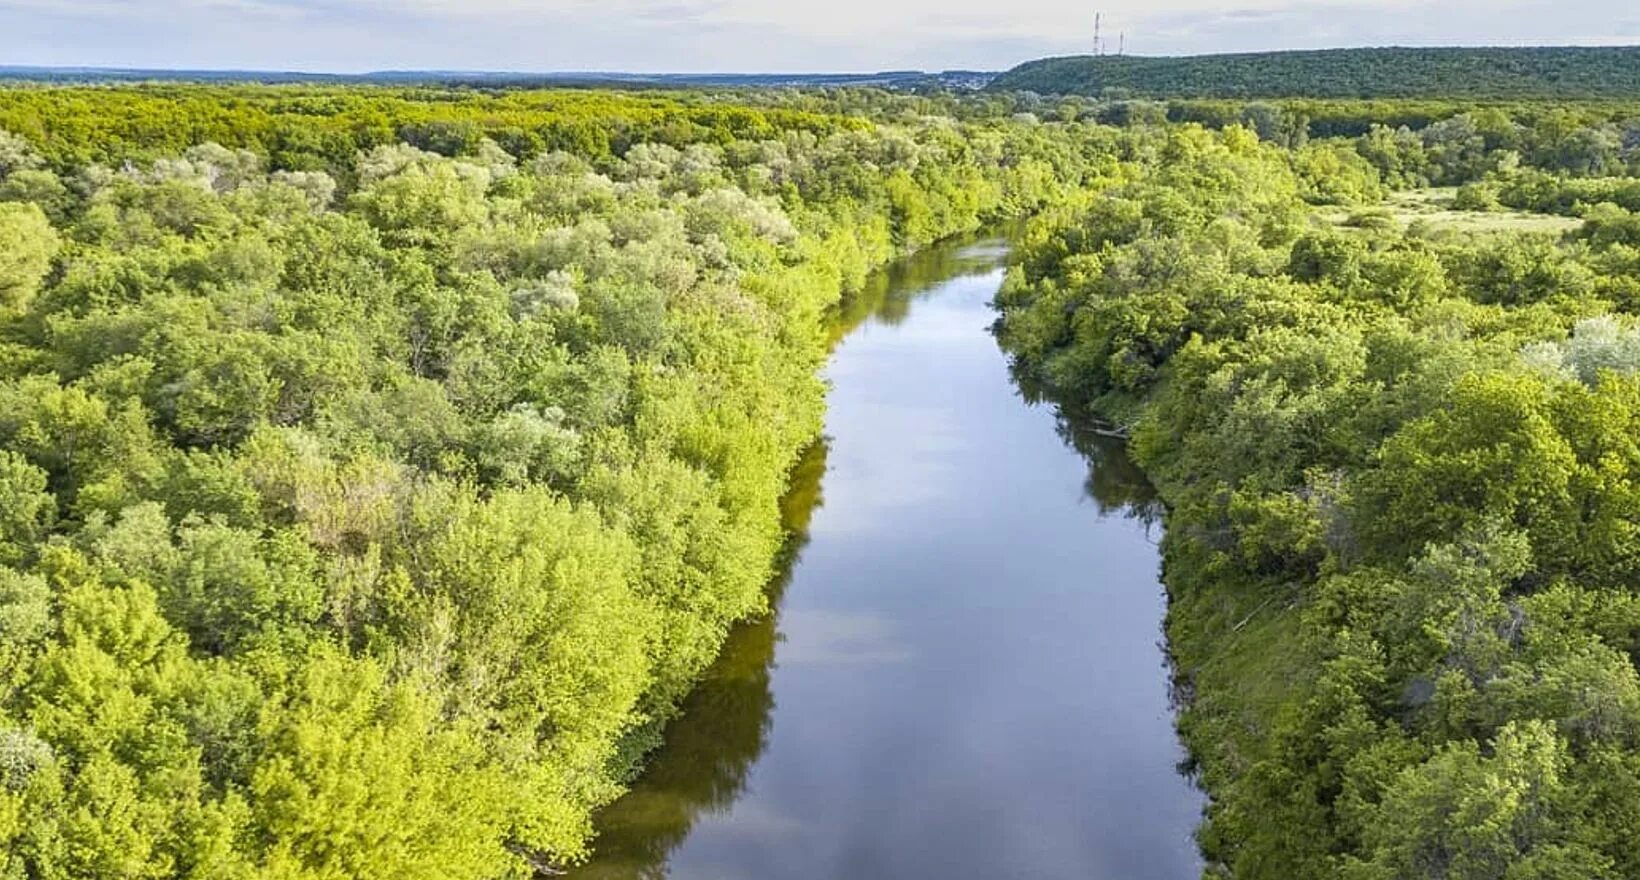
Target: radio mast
[{"x": 1098, "y": 46}]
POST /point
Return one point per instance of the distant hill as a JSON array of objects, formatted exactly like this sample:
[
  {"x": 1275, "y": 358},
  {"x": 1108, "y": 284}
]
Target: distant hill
[
  {"x": 893, "y": 79},
  {"x": 1538, "y": 72}
]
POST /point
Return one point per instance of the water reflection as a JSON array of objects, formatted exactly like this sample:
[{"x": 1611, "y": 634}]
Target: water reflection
[
  {"x": 722, "y": 730},
  {"x": 888, "y": 293},
  {"x": 968, "y": 680},
  {"x": 1114, "y": 482},
  {"x": 702, "y": 766}
]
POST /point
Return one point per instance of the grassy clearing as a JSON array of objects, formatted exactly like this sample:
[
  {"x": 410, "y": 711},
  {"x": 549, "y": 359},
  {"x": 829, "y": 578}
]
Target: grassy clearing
[{"x": 1433, "y": 207}]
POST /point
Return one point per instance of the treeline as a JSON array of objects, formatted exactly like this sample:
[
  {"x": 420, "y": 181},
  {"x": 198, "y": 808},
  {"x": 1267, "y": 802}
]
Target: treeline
[
  {"x": 367, "y": 507},
  {"x": 1400, "y": 469},
  {"x": 1513, "y": 124},
  {"x": 1445, "y": 73},
  {"x": 906, "y": 80},
  {"x": 323, "y": 128},
  {"x": 1409, "y": 143},
  {"x": 1538, "y": 157}
]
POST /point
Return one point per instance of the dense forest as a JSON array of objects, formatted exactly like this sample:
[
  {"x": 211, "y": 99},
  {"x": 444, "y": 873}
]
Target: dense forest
[
  {"x": 324, "y": 128},
  {"x": 1527, "y": 72},
  {"x": 1396, "y": 443},
  {"x": 378, "y": 470}
]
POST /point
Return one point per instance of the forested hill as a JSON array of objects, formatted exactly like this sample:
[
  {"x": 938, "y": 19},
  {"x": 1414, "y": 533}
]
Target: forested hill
[{"x": 1558, "y": 72}]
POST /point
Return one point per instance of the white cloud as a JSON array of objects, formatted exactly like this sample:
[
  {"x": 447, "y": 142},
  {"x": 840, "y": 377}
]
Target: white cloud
[{"x": 698, "y": 35}]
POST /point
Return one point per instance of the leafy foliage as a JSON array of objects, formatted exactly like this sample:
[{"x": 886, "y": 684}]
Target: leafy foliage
[
  {"x": 379, "y": 469},
  {"x": 1399, "y": 470}
]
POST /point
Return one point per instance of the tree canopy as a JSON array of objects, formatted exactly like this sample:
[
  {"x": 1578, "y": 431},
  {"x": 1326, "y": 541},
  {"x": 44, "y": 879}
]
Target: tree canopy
[
  {"x": 1397, "y": 455},
  {"x": 1390, "y": 72},
  {"x": 379, "y": 469}
]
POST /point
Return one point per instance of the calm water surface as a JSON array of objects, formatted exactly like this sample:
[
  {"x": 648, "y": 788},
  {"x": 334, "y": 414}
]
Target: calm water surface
[{"x": 962, "y": 676}]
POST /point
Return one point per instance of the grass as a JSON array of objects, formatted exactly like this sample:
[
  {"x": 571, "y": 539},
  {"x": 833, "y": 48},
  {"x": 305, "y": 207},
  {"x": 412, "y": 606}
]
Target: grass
[{"x": 1433, "y": 207}]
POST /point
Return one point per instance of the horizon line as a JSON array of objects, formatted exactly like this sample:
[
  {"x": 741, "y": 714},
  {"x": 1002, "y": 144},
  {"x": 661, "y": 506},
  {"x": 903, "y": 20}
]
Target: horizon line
[{"x": 682, "y": 74}]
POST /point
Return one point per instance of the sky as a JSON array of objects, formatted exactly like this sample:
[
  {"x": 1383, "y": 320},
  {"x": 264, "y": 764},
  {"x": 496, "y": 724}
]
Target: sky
[{"x": 693, "y": 36}]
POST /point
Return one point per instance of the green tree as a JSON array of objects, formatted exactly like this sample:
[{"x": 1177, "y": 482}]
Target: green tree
[
  {"x": 31, "y": 244},
  {"x": 1466, "y": 815}
]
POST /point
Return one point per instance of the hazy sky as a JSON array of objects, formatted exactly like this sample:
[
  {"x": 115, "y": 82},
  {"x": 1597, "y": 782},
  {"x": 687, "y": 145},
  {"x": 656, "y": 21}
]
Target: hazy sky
[{"x": 749, "y": 35}]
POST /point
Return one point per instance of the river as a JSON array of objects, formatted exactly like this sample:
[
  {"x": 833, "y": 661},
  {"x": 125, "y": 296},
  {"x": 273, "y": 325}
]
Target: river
[{"x": 962, "y": 675}]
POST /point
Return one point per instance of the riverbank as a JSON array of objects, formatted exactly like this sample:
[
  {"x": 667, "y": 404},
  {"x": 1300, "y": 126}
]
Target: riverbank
[{"x": 944, "y": 688}]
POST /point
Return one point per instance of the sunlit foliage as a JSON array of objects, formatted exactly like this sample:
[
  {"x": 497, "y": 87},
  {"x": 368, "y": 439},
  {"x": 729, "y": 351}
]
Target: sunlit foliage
[
  {"x": 378, "y": 469},
  {"x": 1400, "y": 472}
]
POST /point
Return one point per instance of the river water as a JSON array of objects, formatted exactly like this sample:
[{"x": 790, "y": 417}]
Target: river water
[{"x": 962, "y": 675}]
